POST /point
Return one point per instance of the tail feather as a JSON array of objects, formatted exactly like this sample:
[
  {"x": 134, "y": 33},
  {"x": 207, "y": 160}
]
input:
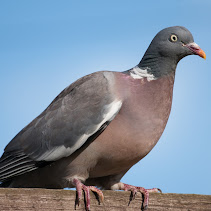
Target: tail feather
[
  {"x": 16, "y": 171},
  {"x": 14, "y": 164}
]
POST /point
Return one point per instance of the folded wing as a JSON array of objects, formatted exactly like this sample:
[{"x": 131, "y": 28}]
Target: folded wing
[{"x": 83, "y": 109}]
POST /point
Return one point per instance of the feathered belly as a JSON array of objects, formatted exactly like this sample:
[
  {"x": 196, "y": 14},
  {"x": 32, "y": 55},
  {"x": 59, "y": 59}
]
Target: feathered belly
[
  {"x": 125, "y": 143},
  {"x": 134, "y": 131}
]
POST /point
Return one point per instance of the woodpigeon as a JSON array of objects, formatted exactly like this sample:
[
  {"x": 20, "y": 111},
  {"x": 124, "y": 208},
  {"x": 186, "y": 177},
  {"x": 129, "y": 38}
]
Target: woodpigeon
[{"x": 97, "y": 128}]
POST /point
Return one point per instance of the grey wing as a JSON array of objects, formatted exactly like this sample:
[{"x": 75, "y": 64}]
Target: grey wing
[{"x": 77, "y": 114}]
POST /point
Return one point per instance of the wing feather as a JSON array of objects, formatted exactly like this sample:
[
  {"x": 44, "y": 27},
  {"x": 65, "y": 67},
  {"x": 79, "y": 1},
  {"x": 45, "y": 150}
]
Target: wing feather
[{"x": 79, "y": 113}]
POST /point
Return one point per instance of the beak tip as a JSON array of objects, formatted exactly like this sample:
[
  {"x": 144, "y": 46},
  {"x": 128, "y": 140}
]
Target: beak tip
[
  {"x": 196, "y": 50},
  {"x": 202, "y": 54}
]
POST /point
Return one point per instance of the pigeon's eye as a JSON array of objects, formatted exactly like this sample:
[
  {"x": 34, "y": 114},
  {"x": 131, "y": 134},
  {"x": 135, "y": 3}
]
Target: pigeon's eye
[{"x": 173, "y": 38}]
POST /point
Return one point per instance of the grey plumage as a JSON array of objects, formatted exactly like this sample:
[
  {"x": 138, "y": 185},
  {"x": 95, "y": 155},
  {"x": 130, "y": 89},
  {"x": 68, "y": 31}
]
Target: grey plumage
[
  {"x": 76, "y": 112},
  {"x": 102, "y": 124},
  {"x": 14, "y": 164}
]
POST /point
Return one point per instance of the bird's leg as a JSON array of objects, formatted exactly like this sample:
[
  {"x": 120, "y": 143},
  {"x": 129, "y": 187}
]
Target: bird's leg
[
  {"x": 134, "y": 190},
  {"x": 81, "y": 187}
]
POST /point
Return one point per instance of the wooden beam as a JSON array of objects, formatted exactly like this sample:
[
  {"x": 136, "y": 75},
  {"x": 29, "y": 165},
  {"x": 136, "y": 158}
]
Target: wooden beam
[{"x": 54, "y": 200}]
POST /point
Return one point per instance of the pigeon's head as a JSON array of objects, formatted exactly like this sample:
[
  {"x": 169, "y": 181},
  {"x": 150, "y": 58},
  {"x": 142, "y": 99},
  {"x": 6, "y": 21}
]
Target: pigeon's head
[
  {"x": 167, "y": 48},
  {"x": 175, "y": 43}
]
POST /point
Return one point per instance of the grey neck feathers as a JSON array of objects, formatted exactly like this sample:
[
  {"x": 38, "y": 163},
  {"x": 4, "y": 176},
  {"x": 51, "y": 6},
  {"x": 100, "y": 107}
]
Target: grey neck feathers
[{"x": 158, "y": 66}]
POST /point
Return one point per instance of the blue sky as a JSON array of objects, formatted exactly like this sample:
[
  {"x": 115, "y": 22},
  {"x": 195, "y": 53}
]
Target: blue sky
[{"x": 46, "y": 45}]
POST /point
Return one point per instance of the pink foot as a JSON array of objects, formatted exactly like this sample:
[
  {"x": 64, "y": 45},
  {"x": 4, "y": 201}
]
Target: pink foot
[
  {"x": 79, "y": 187},
  {"x": 145, "y": 193}
]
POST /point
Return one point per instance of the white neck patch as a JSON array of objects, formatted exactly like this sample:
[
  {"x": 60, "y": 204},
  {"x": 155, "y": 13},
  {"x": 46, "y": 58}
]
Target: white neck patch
[{"x": 138, "y": 73}]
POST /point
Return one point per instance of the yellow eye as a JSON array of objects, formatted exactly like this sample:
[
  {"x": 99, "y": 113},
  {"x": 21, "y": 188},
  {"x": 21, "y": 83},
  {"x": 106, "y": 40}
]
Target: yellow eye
[{"x": 173, "y": 38}]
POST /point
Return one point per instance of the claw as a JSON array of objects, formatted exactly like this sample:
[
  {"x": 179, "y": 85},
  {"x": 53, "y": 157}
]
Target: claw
[
  {"x": 159, "y": 190},
  {"x": 143, "y": 191},
  {"x": 154, "y": 190},
  {"x": 98, "y": 192},
  {"x": 77, "y": 200},
  {"x": 86, "y": 189},
  {"x": 145, "y": 207},
  {"x": 132, "y": 195}
]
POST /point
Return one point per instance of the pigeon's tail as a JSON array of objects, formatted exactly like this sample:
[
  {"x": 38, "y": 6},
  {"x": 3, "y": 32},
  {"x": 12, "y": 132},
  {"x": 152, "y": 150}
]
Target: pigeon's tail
[{"x": 14, "y": 164}]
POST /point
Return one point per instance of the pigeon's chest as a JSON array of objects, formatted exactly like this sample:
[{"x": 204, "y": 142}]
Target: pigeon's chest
[
  {"x": 145, "y": 112},
  {"x": 139, "y": 124}
]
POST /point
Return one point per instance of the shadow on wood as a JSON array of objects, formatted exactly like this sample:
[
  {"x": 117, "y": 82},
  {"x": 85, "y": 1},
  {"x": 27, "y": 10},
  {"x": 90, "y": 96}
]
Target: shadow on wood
[{"x": 43, "y": 199}]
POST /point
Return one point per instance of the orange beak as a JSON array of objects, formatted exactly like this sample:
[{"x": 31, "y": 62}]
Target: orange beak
[{"x": 196, "y": 49}]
